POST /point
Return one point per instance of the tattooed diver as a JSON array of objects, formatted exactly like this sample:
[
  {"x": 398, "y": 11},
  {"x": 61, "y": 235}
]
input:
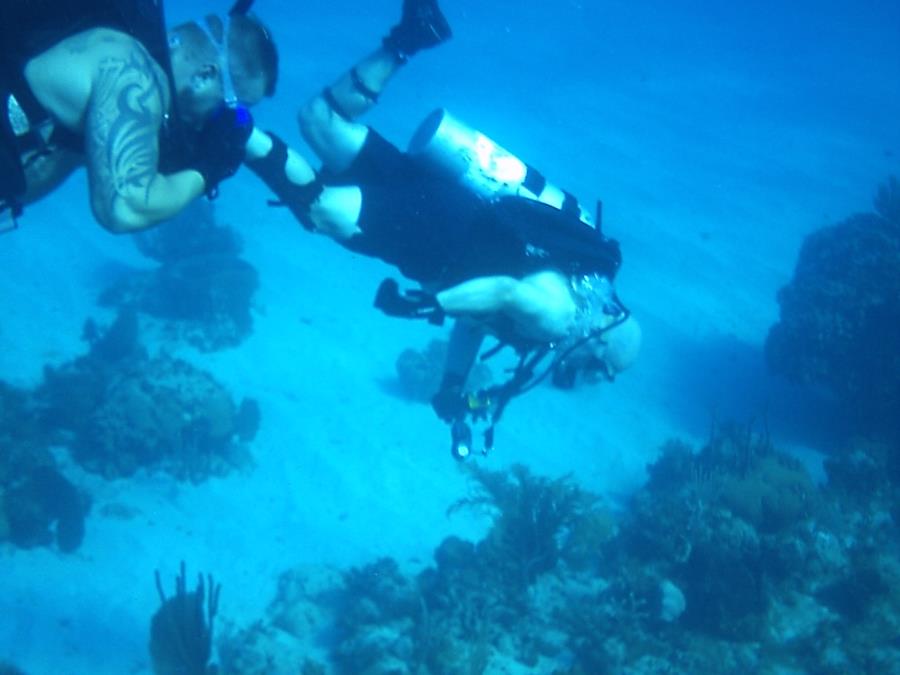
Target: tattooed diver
[{"x": 154, "y": 116}]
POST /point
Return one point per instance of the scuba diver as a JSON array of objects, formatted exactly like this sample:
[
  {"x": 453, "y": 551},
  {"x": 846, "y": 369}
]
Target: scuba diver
[
  {"x": 492, "y": 243},
  {"x": 157, "y": 118}
]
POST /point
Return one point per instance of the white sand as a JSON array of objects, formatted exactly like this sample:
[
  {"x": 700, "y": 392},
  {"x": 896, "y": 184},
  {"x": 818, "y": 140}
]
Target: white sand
[{"x": 712, "y": 171}]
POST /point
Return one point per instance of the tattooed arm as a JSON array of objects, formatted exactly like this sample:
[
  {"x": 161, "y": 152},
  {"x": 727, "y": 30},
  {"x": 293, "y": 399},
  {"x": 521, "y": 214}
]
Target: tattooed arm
[{"x": 122, "y": 147}]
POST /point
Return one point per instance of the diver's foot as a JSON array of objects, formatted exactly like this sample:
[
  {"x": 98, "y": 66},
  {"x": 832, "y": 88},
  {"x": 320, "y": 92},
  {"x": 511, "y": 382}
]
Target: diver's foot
[{"x": 421, "y": 26}]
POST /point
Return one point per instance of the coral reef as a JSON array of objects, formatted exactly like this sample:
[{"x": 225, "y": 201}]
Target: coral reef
[
  {"x": 729, "y": 560},
  {"x": 533, "y": 519},
  {"x": 38, "y": 505},
  {"x": 42, "y": 507},
  {"x": 120, "y": 409},
  {"x": 192, "y": 234},
  {"x": 264, "y": 649},
  {"x": 840, "y": 314},
  {"x": 864, "y": 469},
  {"x": 23, "y": 443},
  {"x": 289, "y": 641},
  {"x": 767, "y": 562},
  {"x": 202, "y": 290},
  {"x": 714, "y": 517},
  {"x": 375, "y": 620},
  {"x": 481, "y": 607},
  {"x": 18, "y": 422},
  {"x": 181, "y": 630}
]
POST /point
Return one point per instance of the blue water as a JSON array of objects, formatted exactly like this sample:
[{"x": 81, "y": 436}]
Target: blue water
[{"x": 717, "y": 136}]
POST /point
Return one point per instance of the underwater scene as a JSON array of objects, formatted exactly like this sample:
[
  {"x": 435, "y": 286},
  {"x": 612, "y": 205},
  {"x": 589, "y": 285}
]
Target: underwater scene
[{"x": 461, "y": 338}]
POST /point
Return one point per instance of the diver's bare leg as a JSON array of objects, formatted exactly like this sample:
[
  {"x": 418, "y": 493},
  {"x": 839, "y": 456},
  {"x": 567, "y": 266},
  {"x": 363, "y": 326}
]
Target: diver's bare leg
[
  {"x": 328, "y": 120},
  {"x": 357, "y": 91}
]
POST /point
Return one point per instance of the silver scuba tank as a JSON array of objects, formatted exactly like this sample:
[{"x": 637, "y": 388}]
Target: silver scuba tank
[{"x": 484, "y": 166}]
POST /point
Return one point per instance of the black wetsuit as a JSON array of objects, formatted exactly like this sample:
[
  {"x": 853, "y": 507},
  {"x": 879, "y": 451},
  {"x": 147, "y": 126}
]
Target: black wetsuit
[
  {"x": 30, "y": 27},
  {"x": 439, "y": 232}
]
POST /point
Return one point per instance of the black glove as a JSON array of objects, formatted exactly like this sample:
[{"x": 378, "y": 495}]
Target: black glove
[
  {"x": 449, "y": 403},
  {"x": 414, "y": 304},
  {"x": 221, "y": 145}
]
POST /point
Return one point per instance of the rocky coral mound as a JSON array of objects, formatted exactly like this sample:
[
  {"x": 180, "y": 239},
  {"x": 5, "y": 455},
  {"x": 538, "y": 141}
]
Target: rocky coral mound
[
  {"x": 202, "y": 291},
  {"x": 763, "y": 560},
  {"x": 120, "y": 409},
  {"x": 840, "y": 314},
  {"x": 39, "y": 506},
  {"x": 43, "y": 507}
]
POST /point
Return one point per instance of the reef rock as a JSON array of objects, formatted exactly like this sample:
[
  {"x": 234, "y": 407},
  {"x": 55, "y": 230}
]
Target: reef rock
[
  {"x": 205, "y": 301},
  {"x": 201, "y": 292},
  {"x": 840, "y": 314},
  {"x": 120, "y": 414},
  {"x": 42, "y": 507},
  {"x": 193, "y": 232}
]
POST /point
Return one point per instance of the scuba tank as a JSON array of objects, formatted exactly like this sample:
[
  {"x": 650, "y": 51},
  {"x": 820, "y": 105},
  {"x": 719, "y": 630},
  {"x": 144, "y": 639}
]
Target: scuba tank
[{"x": 484, "y": 166}]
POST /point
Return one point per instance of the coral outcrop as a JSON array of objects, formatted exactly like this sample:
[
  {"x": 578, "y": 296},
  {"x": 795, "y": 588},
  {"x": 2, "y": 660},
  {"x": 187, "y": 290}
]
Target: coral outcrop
[
  {"x": 39, "y": 506},
  {"x": 202, "y": 291},
  {"x": 120, "y": 409},
  {"x": 840, "y": 314},
  {"x": 43, "y": 507},
  {"x": 480, "y": 607}
]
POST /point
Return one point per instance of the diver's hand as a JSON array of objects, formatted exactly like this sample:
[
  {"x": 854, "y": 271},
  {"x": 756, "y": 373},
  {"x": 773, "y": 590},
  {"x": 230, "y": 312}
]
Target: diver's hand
[
  {"x": 221, "y": 145},
  {"x": 449, "y": 403}
]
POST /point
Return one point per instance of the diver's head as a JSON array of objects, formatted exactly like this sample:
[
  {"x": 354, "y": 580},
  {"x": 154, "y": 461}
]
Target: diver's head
[
  {"x": 600, "y": 358},
  {"x": 618, "y": 347},
  {"x": 214, "y": 60},
  {"x": 606, "y": 339}
]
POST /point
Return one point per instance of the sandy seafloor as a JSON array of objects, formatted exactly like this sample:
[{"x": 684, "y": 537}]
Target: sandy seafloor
[{"x": 717, "y": 138}]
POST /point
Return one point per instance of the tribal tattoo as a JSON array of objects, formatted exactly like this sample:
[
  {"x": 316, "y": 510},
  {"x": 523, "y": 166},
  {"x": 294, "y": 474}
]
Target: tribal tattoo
[{"x": 122, "y": 131}]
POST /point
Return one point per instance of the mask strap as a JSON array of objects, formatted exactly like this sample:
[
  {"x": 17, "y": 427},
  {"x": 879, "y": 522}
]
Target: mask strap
[{"x": 229, "y": 95}]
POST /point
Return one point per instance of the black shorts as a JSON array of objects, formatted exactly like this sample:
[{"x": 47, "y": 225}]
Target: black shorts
[
  {"x": 378, "y": 161},
  {"x": 404, "y": 218},
  {"x": 394, "y": 189},
  {"x": 427, "y": 224}
]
